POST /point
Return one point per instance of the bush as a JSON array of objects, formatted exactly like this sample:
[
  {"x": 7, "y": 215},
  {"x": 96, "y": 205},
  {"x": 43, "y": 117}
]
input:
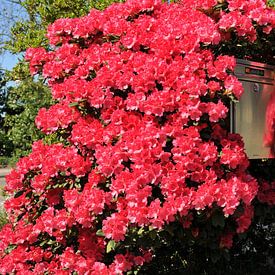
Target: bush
[{"x": 144, "y": 168}]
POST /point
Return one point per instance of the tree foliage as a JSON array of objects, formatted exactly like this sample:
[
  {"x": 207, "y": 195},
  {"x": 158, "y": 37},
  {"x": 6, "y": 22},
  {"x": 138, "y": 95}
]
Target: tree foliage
[
  {"x": 27, "y": 94},
  {"x": 271, "y": 3},
  {"x": 5, "y": 143}
]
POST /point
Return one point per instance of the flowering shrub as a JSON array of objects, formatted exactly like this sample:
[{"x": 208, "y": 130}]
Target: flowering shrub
[{"x": 142, "y": 110}]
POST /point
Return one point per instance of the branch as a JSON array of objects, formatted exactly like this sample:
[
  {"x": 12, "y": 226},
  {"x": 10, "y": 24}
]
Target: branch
[
  {"x": 5, "y": 34},
  {"x": 15, "y": 2},
  {"x": 4, "y": 70}
]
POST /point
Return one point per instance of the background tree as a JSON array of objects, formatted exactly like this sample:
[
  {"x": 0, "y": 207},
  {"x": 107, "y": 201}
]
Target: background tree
[
  {"x": 27, "y": 95},
  {"x": 9, "y": 13},
  {"x": 5, "y": 144}
]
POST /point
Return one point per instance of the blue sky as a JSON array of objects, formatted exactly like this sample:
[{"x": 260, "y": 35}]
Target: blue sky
[
  {"x": 9, "y": 10},
  {"x": 7, "y": 60}
]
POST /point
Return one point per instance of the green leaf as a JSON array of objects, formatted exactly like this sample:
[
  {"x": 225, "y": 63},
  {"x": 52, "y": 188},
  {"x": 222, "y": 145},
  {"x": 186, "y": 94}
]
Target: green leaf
[
  {"x": 73, "y": 104},
  {"x": 43, "y": 243},
  {"x": 100, "y": 233},
  {"x": 140, "y": 231},
  {"x": 50, "y": 242},
  {"x": 19, "y": 193},
  {"x": 111, "y": 246},
  {"x": 10, "y": 248}
]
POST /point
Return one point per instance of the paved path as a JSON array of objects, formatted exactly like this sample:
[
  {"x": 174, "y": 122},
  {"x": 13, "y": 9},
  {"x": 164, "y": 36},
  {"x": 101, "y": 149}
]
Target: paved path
[{"x": 3, "y": 173}]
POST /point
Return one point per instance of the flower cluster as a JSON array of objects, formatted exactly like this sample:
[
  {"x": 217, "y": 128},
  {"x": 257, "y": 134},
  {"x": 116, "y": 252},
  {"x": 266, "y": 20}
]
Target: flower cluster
[
  {"x": 58, "y": 116},
  {"x": 144, "y": 105}
]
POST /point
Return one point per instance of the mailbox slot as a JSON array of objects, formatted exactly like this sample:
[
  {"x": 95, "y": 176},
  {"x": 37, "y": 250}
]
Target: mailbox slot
[{"x": 248, "y": 116}]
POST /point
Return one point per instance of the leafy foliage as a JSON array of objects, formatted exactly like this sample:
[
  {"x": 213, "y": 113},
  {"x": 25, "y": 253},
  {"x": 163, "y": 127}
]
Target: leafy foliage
[
  {"x": 271, "y": 3},
  {"x": 5, "y": 144},
  {"x": 22, "y": 105},
  {"x": 27, "y": 95}
]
